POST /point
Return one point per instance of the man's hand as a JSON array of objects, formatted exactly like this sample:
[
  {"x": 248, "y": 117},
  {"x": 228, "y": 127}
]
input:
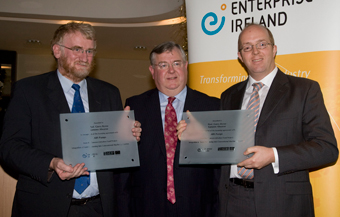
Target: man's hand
[
  {"x": 181, "y": 126},
  {"x": 137, "y": 130},
  {"x": 67, "y": 172},
  {"x": 261, "y": 158}
]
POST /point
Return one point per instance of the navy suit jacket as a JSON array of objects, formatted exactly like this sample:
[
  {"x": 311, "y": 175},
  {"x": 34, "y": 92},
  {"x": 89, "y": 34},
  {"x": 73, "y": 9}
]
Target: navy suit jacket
[
  {"x": 31, "y": 138},
  {"x": 195, "y": 186},
  {"x": 295, "y": 121}
]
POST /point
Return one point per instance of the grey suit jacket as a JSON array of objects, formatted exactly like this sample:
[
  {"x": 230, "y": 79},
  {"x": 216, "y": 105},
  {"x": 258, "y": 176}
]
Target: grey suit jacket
[
  {"x": 295, "y": 121},
  {"x": 31, "y": 138}
]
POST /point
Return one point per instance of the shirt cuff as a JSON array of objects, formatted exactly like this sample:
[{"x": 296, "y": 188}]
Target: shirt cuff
[{"x": 276, "y": 163}]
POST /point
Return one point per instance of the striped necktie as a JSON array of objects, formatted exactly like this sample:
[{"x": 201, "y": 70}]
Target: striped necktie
[{"x": 253, "y": 104}]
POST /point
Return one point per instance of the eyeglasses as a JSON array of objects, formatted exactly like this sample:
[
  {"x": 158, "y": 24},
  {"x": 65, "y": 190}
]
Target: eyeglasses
[
  {"x": 260, "y": 45},
  {"x": 166, "y": 65},
  {"x": 79, "y": 50}
]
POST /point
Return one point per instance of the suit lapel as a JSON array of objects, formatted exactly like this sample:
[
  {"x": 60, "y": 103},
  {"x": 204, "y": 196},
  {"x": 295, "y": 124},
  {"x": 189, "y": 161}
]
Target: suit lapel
[
  {"x": 56, "y": 94},
  {"x": 95, "y": 98},
  {"x": 276, "y": 92},
  {"x": 155, "y": 119},
  {"x": 237, "y": 97},
  {"x": 190, "y": 99}
]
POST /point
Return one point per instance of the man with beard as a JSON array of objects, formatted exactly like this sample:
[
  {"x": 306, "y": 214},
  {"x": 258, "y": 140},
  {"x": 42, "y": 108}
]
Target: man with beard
[{"x": 31, "y": 141}]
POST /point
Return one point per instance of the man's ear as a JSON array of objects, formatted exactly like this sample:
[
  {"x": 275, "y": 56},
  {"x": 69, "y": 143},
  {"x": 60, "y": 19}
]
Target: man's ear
[
  {"x": 152, "y": 70},
  {"x": 240, "y": 56},
  {"x": 274, "y": 50},
  {"x": 56, "y": 51}
]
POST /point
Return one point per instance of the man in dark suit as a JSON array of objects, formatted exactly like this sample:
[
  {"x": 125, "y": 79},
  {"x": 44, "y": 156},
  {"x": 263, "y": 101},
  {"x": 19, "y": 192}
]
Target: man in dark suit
[
  {"x": 31, "y": 141},
  {"x": 195, "y": 187},
  {"x": 293, "y": 134}
]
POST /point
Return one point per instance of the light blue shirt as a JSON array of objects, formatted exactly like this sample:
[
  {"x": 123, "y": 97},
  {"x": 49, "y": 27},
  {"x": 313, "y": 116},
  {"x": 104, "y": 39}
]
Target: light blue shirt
[
  {"x": 178, "y": 104},
  {"x": 66, "y": 84}
]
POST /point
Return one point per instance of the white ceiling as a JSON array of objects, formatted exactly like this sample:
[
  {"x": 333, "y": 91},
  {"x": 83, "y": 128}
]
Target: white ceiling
[{"x": 120, "y": 24}]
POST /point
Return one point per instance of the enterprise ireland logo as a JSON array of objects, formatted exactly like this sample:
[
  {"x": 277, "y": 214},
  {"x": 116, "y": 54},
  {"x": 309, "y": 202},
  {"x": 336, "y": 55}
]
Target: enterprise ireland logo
[
  {"x": 214, "y": 22},
  {"x": 85, "y": 155}
]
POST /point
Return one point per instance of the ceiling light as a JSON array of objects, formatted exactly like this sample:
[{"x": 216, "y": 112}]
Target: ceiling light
[
  {"x": 33, "y": 41},
  {"x": 142, "y": 48},
  {"x": 5, "y": 66}
]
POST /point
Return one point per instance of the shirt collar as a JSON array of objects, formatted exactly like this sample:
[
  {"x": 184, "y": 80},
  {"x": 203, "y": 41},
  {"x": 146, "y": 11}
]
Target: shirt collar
[
  {"x": 181, "y": 96},
  {"x": 267, "y": 81},
  {"x": 66, "y": 83}
]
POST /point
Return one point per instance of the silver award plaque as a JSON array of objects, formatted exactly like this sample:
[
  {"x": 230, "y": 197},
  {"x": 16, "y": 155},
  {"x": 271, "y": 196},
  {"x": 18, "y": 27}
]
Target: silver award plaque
[
  {"x": 216, "y": 137},
  {"x": 101, "y": 140}
]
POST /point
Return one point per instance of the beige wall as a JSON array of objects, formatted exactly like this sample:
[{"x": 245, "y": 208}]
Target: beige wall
[{"x": 132, "y": 77}]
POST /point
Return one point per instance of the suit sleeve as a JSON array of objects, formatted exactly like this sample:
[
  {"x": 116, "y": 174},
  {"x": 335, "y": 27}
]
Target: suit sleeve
[
  {"x": 319, "y": 146},
  {"x": 16, "y": 147}
]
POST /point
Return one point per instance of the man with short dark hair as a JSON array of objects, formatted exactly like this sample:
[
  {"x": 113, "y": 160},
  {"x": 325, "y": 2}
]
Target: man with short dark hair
[{"x": 31, "y": 140}]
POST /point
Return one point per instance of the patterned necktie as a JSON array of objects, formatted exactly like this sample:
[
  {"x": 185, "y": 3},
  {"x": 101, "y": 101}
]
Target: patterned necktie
[
  {"x": 254, "y": 104},
  {"x": 170, "y": 137},
  {"x": 82, "y": 182}
]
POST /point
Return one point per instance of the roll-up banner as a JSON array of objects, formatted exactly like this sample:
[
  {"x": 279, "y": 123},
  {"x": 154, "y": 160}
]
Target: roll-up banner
[{"x": 307, "y": 35}]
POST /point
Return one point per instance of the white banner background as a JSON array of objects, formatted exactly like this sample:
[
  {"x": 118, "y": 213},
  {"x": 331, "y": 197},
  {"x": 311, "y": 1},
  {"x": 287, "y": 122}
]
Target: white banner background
[
  {"x": 310, "y": 26},
  {"x": 307, "y": 35}
]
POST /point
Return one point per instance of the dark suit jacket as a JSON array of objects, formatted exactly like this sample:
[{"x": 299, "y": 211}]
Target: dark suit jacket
[
  {"x": 295, "y": 121},
  {"x": 195, "y": 186},
  {"x": 31, "y": 138}
]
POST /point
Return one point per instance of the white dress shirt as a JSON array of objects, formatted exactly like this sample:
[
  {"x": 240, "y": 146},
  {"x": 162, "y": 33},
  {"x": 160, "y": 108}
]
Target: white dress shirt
[
  {"x": 267, "y": 81},
  {"x": 92, "y": 189}
]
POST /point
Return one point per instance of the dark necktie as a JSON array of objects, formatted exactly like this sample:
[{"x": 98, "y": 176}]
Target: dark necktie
[
  {"x": 82, "y": 182},
  {"x": 253, "y": 104},
  {"x": 170, "y": 137}
]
